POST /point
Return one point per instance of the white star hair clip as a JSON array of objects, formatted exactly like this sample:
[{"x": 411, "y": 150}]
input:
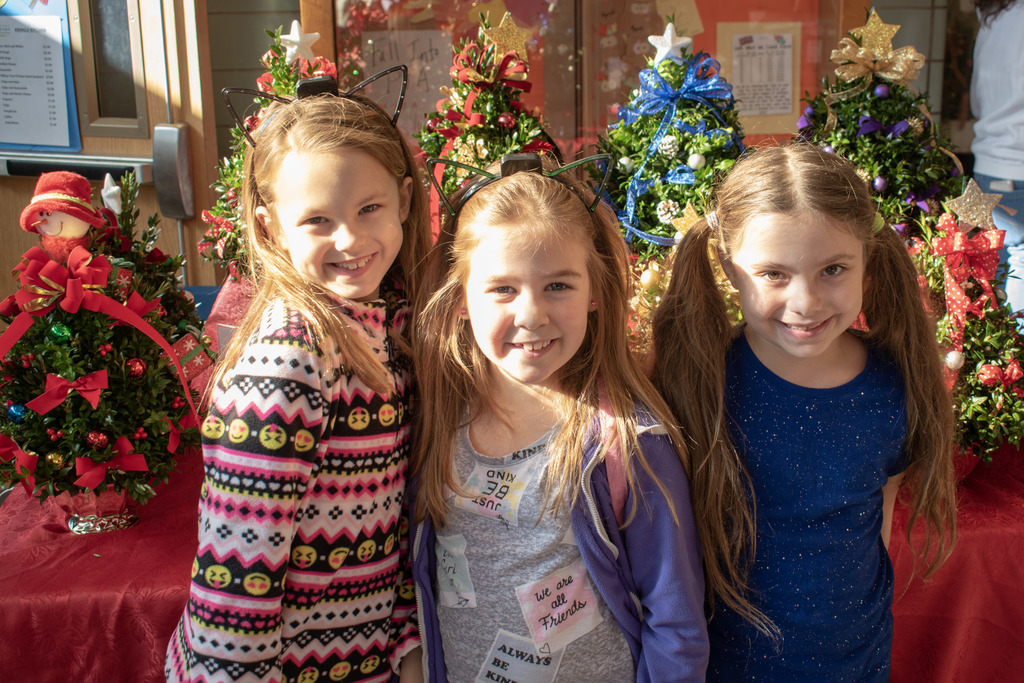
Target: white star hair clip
[
  {"x": 299, "y": 44},
  {"x": 669, "y": 44}
]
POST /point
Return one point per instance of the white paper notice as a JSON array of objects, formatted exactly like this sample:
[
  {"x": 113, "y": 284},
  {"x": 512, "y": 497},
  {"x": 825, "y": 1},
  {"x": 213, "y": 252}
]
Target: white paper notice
[
  {"x": 762, "y": 73},
  {"x": 33, "y": 102}
]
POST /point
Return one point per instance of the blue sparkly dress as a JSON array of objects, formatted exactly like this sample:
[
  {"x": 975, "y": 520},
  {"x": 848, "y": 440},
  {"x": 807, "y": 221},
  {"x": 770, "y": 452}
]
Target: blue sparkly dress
[{"x": 818, "y": 459}]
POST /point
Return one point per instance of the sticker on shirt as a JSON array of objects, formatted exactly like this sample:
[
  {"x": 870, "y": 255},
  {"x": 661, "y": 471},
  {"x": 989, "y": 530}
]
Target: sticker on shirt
[
  {"x": 455, "y": 587},
  {"x": 515, "y": 659},
  {"x": 561, "y": 607},
  {"x": 496, "y": 491}
]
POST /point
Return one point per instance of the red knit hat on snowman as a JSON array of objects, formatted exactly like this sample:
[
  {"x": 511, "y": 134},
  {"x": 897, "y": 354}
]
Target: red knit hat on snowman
[{"x": 64, "y": 192}]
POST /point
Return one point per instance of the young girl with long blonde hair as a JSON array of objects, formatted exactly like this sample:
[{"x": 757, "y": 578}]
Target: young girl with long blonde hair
[
  {"x": 522, "y": 571},
  {"x": 302, "y": 568},
  {"x": 802, "y": 428}
]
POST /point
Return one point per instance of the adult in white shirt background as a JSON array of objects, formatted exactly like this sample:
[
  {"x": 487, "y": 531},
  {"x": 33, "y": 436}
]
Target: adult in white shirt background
[{"x": 997, "y": 100}]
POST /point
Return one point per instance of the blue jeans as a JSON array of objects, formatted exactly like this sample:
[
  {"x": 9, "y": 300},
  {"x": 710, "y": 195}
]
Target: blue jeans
[{"x": 1013, "y": 245}]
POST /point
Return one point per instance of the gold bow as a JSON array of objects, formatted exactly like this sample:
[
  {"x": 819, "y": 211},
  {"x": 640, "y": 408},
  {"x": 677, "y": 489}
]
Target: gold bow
[{"x": 899, "y": 66}]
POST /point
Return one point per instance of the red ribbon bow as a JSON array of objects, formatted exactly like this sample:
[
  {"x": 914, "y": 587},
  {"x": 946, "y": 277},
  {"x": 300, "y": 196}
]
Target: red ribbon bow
[
  {"x": 92, "y": 473},
  {"x": 174, "y": 436},
  {"x": 9, "y": 450},
  {"x": 58, "y": 388},
  {"x": 44, "y": 282},
  {"x": 976, "y": 256},
  {"x": 993, "y": 374}
]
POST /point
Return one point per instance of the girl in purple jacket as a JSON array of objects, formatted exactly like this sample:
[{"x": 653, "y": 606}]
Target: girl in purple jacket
[{"x": 522, "y": 571}]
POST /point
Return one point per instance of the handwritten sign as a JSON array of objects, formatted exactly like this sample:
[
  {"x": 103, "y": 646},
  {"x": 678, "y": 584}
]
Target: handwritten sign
[
  {"x": 560, "y": 607},
  {"x": 454, "y": 584},
  {"x": 428, "y": 54},
  {"x": 514, "y": 659}
]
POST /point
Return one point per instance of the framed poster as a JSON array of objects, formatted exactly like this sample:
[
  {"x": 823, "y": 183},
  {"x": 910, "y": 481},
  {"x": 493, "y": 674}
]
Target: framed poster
[{"x": 37, "y": 93}]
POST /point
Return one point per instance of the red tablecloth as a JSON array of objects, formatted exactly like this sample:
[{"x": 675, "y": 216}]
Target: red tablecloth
[
  {"x": 102, "y": 607},
  {"x": 99, "y": 607},
  {"x": 966, "y": 623}
]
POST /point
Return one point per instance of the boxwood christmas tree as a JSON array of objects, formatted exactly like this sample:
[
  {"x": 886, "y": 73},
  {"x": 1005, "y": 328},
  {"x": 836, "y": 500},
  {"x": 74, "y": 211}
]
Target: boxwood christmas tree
[
  {"x": 960, "y": 261},
  {"x": 92, "y": 393},
  {"x": 481, "y": 117},
  {"x": 679, "y": 133},
  {"x": 871, "y": 115}
]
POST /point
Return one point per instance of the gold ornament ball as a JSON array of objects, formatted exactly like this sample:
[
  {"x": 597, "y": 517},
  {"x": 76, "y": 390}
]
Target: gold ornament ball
[
  {"x": 55, "y": 459},
  {"x": 650, "y": 278}
]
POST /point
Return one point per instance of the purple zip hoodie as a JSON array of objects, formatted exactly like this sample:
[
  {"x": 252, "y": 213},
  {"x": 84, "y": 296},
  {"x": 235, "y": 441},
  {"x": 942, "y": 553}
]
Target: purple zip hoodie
[{"x": 649, "y": 573}]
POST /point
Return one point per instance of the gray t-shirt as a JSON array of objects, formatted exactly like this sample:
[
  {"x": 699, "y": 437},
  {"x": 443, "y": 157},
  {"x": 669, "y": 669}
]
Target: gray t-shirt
[{"x": 514, "y": 599}]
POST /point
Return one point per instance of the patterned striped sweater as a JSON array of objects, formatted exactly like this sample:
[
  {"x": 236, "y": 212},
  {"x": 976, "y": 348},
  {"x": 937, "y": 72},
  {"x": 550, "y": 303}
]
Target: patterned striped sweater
[{"x": 302, "y": 572}]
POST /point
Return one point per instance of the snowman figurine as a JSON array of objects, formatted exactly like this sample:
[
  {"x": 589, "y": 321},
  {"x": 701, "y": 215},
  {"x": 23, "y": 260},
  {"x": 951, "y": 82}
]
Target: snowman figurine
[{"x": 61, "y": 212}]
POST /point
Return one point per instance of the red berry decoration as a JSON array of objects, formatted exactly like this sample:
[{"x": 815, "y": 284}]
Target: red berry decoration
[
  {"x": 507, "y": 120},
  {"x": 140, "y": 433},
  {"x": 105, "y": 349},
  {"x": 97, "y": 439},
  {"x": 55, "y": 434},
  {"x": 136, "y": 367}
]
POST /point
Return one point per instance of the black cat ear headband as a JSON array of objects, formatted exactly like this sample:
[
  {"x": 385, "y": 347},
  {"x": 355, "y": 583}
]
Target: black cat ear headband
[
  {"x": 516, "y": 163},
  {"x": 320, "y": 85}
]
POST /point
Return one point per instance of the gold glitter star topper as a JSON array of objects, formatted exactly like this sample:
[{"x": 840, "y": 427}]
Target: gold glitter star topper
[
  {"x": 508, "y": 37},
  {"x": 974, "y": 207},
  {"x": 876, "y": 35}
]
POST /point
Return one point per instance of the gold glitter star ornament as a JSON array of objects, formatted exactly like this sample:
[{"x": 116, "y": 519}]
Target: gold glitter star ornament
[
  {"x": 974, "y": 207},
  {"x": 876, "y": 35},
  {"x": 508, "y": 37}
]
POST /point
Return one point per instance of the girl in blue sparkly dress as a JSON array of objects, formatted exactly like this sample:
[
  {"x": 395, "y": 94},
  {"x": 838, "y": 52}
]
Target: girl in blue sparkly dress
[{"x": 805, "y": 421}]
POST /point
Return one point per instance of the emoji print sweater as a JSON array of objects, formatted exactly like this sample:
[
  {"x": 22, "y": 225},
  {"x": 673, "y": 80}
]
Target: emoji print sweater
[{"x": 302, "y": 571}]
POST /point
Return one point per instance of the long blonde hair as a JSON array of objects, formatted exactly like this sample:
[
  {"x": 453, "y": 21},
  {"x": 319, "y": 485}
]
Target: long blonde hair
[
  {"x": 692, "y": 334},
  {"x": 454, "y": 375},
  {"x": 315, "y": 125}
]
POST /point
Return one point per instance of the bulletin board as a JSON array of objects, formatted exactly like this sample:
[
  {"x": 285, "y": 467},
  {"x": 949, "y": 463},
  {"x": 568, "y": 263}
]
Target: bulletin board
[
  {"x": 585, "y": 56},
  {"x": 37, "y": 94}
]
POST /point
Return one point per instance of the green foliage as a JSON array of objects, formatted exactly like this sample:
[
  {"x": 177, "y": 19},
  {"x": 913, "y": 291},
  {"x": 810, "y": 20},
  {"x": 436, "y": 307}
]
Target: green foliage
[
  {"x": 909, "y": 158},
  {"x": 712, "y": 132},
  {"x": 495, "y": 123},
  {"x": 987, "y": 414},
  {"x": 137, "y": 408}
]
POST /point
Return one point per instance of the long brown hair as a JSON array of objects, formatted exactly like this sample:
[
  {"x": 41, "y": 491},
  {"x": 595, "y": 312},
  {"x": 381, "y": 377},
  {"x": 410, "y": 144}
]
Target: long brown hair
[
  {"x": 692, "y": 334},
  {"x": 315, "y": 125},
  {"x": 455, "y": 377}
]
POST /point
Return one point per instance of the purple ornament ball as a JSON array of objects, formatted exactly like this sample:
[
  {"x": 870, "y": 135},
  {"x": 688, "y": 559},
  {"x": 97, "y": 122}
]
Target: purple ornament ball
[
  {"x": 880, "y": 184},
  {"x": 881, "y": 91},
  {"x": 828, "y": 149},
  {"x": 809, "y": 112}
]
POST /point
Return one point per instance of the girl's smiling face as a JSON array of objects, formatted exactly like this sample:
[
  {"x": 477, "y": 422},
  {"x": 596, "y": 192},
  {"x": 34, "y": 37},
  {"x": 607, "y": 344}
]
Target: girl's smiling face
[
  {"x": 527, "y": 303},
  {"x": 339, "y": 216},
  {"x": 801, "y": 286}
]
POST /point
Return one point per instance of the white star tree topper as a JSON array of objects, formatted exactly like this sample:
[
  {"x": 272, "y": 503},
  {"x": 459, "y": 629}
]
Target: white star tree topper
[
  {"x": 669, "y": 44},
  {"x": 298, "y": 44}
]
